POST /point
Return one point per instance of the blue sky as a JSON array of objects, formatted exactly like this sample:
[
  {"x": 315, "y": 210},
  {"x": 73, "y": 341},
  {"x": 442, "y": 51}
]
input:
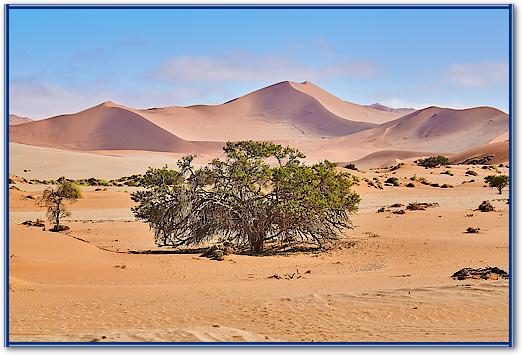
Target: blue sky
[{"x": 63, "y": 61}]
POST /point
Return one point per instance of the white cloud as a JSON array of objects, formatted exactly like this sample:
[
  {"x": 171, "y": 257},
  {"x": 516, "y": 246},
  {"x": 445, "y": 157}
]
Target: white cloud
[
  {"x": 479, "y": 75},
  {"x": 241, "y": 67}
]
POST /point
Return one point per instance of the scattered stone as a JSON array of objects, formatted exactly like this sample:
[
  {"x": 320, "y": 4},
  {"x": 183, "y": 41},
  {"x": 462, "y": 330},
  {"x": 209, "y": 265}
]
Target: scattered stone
[
  {"x": 486, "y": 206},
  {"x": 396, "y": 205},
  {"x": 472, "y": 230},
  {"x": 399, "y": 212},
  {"x": 37, "y": 223},
  {"x": 410, "y": 184},
  {"x": 472, "y": 173},
  {"x": 487, "y": 273},
  {"x": 380, "y": 210}
]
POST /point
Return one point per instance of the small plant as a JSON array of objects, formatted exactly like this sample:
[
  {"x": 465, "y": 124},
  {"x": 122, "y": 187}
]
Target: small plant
[
  {"x": 447, "y": 172},
  {"x": 392, "y": 181},
  {"x": 351, "y": 166},
  {"x": 410, "y": 184},
  {"x": 423, "y": 181},
  {"x": 472, "y": 230},
  {"x": 414, "y": 177},
  {"x": 396, "y": 167},
  {"x": 54, "y": 199},
  {"x": 433, "y": 162},
  {"x": 486, "y": 206},
  {"x": 420, "y": 206},
  {"x": 497, "y": 181},
  {"x": 37, "y": 223}
]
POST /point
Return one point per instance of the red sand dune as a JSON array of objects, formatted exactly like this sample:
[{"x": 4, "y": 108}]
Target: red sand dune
[
  {"x": 499, "y": 150},
  {"x": 432, "y": 129},
  {"x": 106, "y": 126},
  {"x": 298, "y": 114},
  {"x": 281, "y": 111}
]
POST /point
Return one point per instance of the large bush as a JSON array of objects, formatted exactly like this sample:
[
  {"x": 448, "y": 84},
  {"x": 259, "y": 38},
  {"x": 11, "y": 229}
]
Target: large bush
[
  {"x": 261, "y": 192},
  {"x": 433, "y": 162}
]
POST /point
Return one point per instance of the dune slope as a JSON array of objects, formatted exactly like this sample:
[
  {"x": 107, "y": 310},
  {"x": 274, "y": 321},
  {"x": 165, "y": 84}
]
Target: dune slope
[{"x": 106, "y": 126}]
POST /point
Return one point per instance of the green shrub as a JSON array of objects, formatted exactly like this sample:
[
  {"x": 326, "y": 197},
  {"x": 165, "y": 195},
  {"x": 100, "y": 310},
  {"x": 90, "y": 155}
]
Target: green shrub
[
  {"x": 392, "y": 181},
  {"x": 433, "y": 162}
]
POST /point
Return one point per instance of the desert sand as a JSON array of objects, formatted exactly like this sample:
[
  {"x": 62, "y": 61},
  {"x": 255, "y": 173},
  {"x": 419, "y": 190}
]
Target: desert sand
[{"x": 388, "y": 280}]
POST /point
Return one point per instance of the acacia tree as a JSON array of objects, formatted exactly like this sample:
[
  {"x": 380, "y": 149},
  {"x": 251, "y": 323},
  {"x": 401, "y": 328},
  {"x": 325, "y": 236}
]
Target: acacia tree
[
  {"x": 54, "y": 199},
  {"x": 260, "y": 192},
  {"x": 497, "y": 181}
]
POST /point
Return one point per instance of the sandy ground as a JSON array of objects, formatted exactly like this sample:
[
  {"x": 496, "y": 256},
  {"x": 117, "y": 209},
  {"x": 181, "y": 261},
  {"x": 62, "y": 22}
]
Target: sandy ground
[{"x": 388, "y": 280}]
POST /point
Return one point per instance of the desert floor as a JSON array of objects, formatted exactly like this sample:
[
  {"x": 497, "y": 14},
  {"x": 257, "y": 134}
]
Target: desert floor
[{"x": 388, "y": 280}]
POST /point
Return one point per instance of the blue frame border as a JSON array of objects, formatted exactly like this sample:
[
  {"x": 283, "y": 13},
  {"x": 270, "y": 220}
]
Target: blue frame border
[{"x": 8, "y": 343}]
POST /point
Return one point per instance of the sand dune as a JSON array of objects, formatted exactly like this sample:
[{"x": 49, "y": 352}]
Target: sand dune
[
  {"x": 15, "y": 120},
  {"x": 386, "y": 158},
  {"x": 431, "y": 129},
  {"x": 501, "y": 138},
  {"x": 401, "y": 110},
  {"x": 106, "y": 126},
  {"x": 499, "y": 151},
  {"x": 281, "y": 111}
]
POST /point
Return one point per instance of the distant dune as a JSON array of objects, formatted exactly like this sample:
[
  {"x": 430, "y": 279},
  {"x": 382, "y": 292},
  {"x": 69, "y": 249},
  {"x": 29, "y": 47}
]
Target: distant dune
[
  {"x": 401, "y": 110},
  {"x": 297, "y": 114},
  {"x": 386, "y": 158},
  {"x": 499, "y": 151},
  {"x": 104, "y": 127},
  {"x": 281, "y": 111},
  {"x": 431, "y": 129},
  {"x": 15, "y": 120}
]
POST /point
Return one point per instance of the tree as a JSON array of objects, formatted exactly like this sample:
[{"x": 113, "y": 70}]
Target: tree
[
  {"x": 433, "y": 162},
  {"x": 261, "y": 192},
  {"x": 54, "y": 199},
  {"x": 497, "y": 181}
]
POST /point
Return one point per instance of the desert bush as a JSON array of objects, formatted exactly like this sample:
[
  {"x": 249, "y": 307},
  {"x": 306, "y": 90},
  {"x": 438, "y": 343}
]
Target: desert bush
[
  {"x": 380, "y": 210},
  {"x": 420, "y": 206},
  {"x": 433, "y": 162},
  {"x": 472, "y": 230},
  {"x": 497, "y": 181},
  {"x": 391, "y": 181},
  {"x": 246, "y": 200},
  {"x": 351, "y": 166},
  {"x": 54, "y": 199},
  {"x": 396, "y": 167},
  {"x": 471, "y": 172},
  {"x": 399, "y": 212},
  {"x": 414, "y": 177},
  {"x": 486, "y": 206},
  {"x": 396, "y": 205},
  {"x": 423, "y": 181},
  {"x": 447, "y": 172},
  {"x": 446, "y": 186}
]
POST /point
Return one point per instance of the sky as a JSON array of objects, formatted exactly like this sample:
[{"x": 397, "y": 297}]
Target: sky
[{"x": 67, "y": 60}]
